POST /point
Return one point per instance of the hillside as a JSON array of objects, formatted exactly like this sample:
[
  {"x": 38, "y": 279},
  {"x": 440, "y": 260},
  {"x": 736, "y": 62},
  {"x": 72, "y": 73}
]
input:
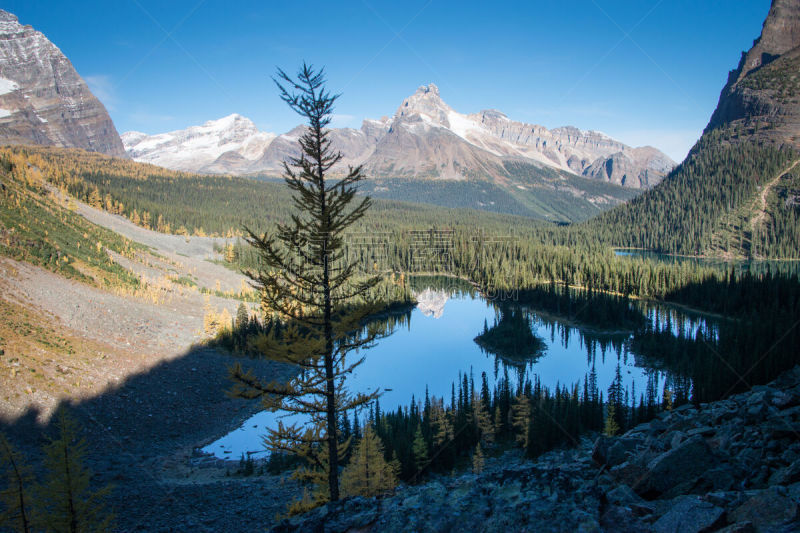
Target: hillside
[
  {"x": 737, "y": 192},
  {"x": 761, "y": 99}
]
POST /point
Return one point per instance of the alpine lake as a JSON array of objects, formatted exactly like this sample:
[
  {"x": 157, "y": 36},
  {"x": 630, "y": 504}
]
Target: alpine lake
[{"x": 554, "y": 337}]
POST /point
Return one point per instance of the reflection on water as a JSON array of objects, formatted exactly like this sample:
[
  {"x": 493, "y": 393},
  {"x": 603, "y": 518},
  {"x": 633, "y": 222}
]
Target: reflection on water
[
  {"x": 557, "y": 338},
  {"x": 433, "y": 346},
  {"x": 431, "y": 302}
]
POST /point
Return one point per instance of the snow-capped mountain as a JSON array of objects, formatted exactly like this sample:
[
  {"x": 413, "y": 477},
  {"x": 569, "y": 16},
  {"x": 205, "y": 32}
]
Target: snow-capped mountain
[
  {"x": 43, "y": 100},
  {"x": 196, "y": 147},
  {"x": 428, "y": 137},
  {"x": 425, "y": 138}
]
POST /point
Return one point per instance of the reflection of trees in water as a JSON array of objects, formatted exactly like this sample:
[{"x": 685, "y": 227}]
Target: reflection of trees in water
[
  {"x": 695, "y": 357},
  {"x": 587, "y": 309},
  {"x": 455, "y": 287},
  {"x": 699, "y": 358},
  {"x": 511, "y": 339},
  {"x": 707, "y": 359}
]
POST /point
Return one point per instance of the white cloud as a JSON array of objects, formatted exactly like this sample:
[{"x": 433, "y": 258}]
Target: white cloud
[
  {"x": 339, "y": 120},
  {"x": 102, "y": 87}
]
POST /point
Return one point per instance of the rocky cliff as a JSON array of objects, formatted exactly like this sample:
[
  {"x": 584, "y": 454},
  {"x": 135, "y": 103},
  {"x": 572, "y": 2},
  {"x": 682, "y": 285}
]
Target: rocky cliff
[
  {"x": 761, "y": 99},
  {"x": 428, "y": 138},
  {"x": 732, "y": 465},
  {"x": 43, "y": 100}
]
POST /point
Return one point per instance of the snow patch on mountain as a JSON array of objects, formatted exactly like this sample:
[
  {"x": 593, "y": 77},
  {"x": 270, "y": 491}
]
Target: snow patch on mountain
[
  {"x": 8, "y": 86},
  {"x": 195, "y": 147}
]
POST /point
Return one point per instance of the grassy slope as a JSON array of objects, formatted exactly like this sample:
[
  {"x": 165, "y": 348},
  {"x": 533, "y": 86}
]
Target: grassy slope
[{"x": 36, "y": 228}]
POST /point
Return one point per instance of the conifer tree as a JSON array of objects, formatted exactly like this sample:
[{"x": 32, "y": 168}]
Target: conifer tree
[
  {"x": 440, "y": 421},
  {"x": 611, "y": 427},
  {"x": 420, "y": 450},
  {"x": 307, "y": 282},
  {"x": 16, "y": 497},
  {"x": 368, "y": 474},
  {"x": 477, "y": 459},
  {"x": 498, "y": 421},
  {"x": 482, "y": 420},
  {"x": 520, "y": 418},
  {"x": 67, "y": 503},
  {"x": 242, "y": 317}
]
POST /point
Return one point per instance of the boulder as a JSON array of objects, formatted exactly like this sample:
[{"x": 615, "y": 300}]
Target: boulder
[
  {"x": 739, "y": 527},
  {"x": 624, "y": 496},
  {"x": 766, "y": 510},
  {"x": 678, "y": 466},
  {"x": 622, "y": 520},
  {"x": 786, "y": 475},
  {"x": 619, "y": 450},
  {"x": 689, "y": 514},
  {"x": 720, "y": 478}
]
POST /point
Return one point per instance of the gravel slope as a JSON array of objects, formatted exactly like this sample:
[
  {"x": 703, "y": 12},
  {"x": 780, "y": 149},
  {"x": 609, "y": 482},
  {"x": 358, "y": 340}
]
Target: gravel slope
[{"x": 147, "y": 399}]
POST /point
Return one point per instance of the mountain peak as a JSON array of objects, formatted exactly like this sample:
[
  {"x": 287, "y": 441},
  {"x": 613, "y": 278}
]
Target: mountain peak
[
  {"x": 232, "y": 121},
  {"x": 427, "y": 104},
  {"x": 43, "y": 100},
  {"x": 779, "y": 34},
  {"x": 5, "y": 16},
  {"x": 429, "y": 89},
  {"x": 760, "y": 98}
]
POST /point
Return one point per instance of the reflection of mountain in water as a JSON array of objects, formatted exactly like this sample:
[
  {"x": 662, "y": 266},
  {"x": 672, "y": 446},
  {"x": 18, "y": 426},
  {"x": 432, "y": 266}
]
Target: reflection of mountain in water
[{"x": 431, "y": 302}]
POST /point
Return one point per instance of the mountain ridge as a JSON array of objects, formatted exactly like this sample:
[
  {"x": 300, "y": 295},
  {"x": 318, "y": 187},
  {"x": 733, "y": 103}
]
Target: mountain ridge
[
  {"x": 737, "y": 193},
  {"x": 43, "y": 100},
  {"x": 426, "y": 138},
  {"x": 761, "y": 98}
]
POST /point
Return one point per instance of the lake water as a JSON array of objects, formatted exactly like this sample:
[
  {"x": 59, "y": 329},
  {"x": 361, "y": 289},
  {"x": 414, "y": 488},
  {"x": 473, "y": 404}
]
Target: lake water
[
  {"x": 754, "y": 265},
  {"x": 433, "y": 345}
]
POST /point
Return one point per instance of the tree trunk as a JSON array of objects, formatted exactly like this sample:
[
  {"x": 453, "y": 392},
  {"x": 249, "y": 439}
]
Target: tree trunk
[{"x": 333, "y": 449}]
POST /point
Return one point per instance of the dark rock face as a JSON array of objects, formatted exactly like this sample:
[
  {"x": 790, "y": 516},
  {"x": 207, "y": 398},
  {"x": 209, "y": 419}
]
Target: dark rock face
[
  {"x": 43, "y": 100},
  {"x": 762, "y": 96},
  {"x": 716, "y": 467},
  {"x": 638, "y": 168}
]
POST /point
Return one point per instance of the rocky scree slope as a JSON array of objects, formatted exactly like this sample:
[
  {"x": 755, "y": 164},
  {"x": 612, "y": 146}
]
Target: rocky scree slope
[
  {"x": 43, "y": 100},
  {"x": 731, "y": 465}
]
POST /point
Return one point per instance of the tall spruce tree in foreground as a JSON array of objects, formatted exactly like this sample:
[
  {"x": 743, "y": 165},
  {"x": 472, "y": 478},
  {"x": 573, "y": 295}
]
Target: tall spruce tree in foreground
[{"x": 308, "y": 284}]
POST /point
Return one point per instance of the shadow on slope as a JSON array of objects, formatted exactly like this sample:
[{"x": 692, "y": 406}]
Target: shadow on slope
[{"x": 141, "y": 435}]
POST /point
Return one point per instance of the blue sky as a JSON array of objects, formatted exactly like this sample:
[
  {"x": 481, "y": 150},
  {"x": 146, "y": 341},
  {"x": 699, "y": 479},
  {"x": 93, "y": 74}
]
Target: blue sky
[{"x": 643, "y": 71}]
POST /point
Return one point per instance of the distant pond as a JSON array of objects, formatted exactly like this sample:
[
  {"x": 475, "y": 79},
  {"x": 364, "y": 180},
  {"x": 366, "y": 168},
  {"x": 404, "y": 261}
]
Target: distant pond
[{"x": 455, "y": 331}]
